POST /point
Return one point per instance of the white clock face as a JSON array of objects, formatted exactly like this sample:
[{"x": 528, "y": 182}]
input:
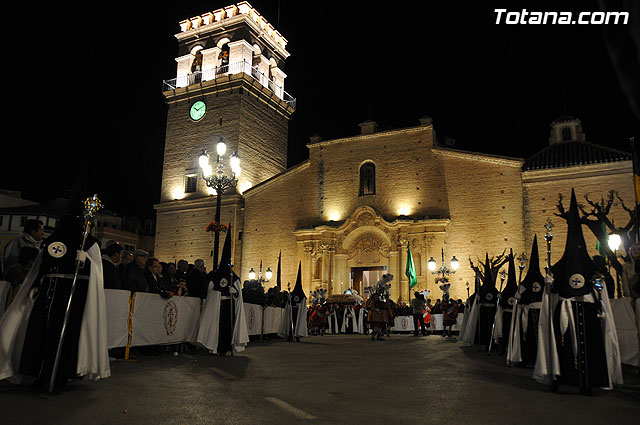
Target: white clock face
[{"x": 197, "y": 111}]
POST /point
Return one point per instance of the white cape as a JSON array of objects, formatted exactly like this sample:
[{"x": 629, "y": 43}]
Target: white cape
[
  {"x": 360, "y": 328},
  {"x": 209, "y": 326},
  {"x": 240, "y": 329},
  {"x": 547, "y": 363},
  {"x": 287, "y": 320},
  {"x": 343, "y": 329},
  {"x": 472, "y": 322},
  {"x": 333, "y": 323},
  {"x": 93, "y": 354}
]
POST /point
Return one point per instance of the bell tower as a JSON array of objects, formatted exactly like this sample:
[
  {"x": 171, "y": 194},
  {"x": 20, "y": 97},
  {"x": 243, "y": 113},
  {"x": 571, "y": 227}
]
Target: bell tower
[{"x": 229, "y": 86}]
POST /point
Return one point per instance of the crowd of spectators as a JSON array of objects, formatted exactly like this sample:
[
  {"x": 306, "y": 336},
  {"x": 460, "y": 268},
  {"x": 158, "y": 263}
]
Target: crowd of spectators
[{"x": 138, "y": 272}]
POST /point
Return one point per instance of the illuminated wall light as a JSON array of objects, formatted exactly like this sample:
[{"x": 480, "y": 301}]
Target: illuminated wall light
[
  {"x": 334, "y": 216},
  {"x": 404, "y": 210},
  {"x": 244, "y": 186},
  {"x": 178, "y": 193}
]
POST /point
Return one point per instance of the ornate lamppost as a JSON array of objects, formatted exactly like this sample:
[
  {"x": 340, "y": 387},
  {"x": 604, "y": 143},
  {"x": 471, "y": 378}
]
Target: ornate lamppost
[
  {"x": 219, "y": 182},
  {"x": 268, "y": 274},
  {"x": 443, "y": 269}
]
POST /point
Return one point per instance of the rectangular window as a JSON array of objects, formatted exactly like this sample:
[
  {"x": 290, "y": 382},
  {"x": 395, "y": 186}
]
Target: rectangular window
[{"x": 190, "y": 183}]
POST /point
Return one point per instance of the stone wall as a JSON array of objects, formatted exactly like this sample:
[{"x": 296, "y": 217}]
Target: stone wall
[{"x": 542, "y": 187}]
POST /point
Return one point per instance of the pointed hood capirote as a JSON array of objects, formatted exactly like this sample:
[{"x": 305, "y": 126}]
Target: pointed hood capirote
[
  {"x": 574, "y": 272},
  {"x": 488, "y": 290},
  {"x": 509, "y": 291},
  {"x": 59, "y": 249},
  {"x": 297, "y": 295},
  {"x": 533, "y": 282},
  {"x": 221, "y": 276}
]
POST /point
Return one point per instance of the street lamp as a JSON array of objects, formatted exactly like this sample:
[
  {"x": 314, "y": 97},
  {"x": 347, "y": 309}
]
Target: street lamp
[
  {"x": 614, "y": 243},
  {"x": 443, "y": 270},
  {"x": 219, "y": 182},
  {"x": 268, "y": 274}
]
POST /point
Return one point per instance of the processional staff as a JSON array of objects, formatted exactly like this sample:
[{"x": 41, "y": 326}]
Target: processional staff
[{"x": 493, "y": 327}]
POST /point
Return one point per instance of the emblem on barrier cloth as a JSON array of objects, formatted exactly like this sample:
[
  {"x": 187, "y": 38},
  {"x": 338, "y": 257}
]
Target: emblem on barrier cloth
[
  {"x": 405, "y": 323},
  {"x": 252, "y": 319},
  {"x": 170, "y": 316}
]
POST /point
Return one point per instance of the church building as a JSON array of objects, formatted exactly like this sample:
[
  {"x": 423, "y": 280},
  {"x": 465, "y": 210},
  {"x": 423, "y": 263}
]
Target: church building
[{"x": 349, "y": 212}]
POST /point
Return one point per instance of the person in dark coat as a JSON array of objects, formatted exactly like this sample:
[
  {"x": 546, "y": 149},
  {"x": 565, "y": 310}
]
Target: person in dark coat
[
  {"x": 134, "y": 278},
  {"x": 182, "y": 270},
  {"x": 155, "y": 280},
  {"x": 111, "y": 257},
  {"x": 197, "y": 282}
]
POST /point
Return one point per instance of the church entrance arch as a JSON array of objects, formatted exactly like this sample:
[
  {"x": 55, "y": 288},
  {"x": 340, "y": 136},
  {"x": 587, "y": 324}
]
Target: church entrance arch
[
  {"x": 365, "y": 246},
  {"x": 361, "y": 278}
]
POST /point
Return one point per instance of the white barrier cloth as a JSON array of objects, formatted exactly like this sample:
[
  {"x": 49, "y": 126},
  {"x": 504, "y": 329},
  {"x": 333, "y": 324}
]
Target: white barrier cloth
[
  {"x": 272, "y": 319},
  {"x": 164, "y": 321},
  {"x": 117, "y": 317},
  {"x": 627, "y": 330},
  {"x": 405, "y": 323},
  {"x": 253, "y": 314}
]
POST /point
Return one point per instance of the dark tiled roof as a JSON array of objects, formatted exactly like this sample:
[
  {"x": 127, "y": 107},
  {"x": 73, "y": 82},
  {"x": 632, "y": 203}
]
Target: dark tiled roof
[{"x": 571, "y": 154}]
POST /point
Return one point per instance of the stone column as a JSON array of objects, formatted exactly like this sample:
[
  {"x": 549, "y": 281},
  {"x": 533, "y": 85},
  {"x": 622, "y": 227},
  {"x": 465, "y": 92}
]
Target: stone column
[
  {"x": 341, "y": 271},
  {"x": 184, "y": 69},
  {"x": 240, "y": 57},
  {"x": 209, "y": 62},
  {"x": 263, "y": 67},
  {"x": 326, "y": 265},
  {"x": 307, "y": 267},
  {"x": 402, "y": 263},
  {"x": 278, "y": 78},
  {"x": 398, "y": 274}
]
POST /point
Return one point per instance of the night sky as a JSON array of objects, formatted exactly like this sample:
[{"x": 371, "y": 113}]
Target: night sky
[{"x": 88, "y": 84}]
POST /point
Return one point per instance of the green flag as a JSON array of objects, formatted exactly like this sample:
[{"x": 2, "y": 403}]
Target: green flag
[
  {"x": 599, "y": 246},
  {"x": 411, "y": 270}
]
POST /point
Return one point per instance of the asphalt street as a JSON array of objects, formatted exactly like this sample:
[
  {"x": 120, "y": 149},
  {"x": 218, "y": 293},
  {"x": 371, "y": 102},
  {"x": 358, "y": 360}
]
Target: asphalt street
[{"x": 340, "y": 379}]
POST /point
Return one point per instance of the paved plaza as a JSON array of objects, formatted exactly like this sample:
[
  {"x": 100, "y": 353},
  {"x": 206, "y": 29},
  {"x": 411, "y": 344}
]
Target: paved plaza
[{"x": 339, "y": 379}]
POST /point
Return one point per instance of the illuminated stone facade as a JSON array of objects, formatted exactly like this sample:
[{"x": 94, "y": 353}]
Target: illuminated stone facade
[{"x": 357, "y": 201}]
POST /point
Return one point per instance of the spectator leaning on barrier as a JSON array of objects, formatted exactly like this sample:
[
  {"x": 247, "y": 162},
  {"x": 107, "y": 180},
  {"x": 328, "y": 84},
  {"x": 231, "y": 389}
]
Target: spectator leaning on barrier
[
  {"x": 127, "y": 258},
  {"x": 134, "y": 277},
  {"x": 33, "y": 232},
  {"x": 197, "y": 282},
  {"x": 155, "y": 282},
  {"x": 112, "y": 255},
  {"x": 182, "y": 268}
]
